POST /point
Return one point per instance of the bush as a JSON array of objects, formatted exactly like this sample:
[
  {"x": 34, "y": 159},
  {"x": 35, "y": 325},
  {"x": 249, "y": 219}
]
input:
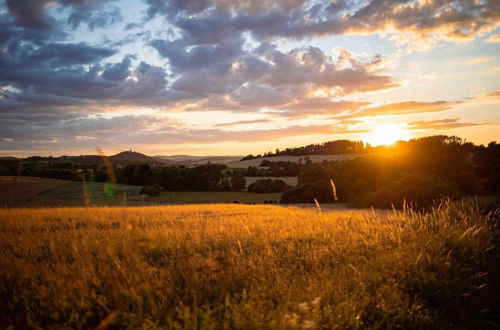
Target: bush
[
  {"x": 307, "y": 192},
  {"x": 419, "y": 190},
  {"x": 150, "y": 191}
]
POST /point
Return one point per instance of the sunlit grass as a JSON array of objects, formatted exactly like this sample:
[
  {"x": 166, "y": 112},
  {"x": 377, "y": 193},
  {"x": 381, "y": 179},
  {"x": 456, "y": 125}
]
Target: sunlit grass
[{"x": 240, "y": 266}]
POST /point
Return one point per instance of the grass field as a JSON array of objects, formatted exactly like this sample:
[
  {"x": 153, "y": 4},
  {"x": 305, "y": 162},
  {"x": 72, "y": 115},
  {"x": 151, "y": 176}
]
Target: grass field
[
  {"x": 28, "y": 191},
  {"x": 208, "y": 197},
  {"x": 246, "y": 267},
  {"x": 20, "y": 191}
]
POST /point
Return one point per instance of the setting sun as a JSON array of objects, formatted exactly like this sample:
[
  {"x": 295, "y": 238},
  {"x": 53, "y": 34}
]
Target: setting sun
[{"x": 386, "y": 135}]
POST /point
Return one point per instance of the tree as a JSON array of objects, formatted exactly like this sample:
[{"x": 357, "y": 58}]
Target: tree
[
  {"x": 170, "y": 178},
  {"x": 128, "y": 174},
  {"x": 267, "y": 186},
  {"x": 144, "y": 175},
  {"x": 238, "y": 182}
]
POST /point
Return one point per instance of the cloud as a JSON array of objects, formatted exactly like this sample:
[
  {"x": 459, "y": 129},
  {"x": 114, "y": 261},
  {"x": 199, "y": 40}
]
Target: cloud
[
  {"x": 226, "y": 55},
  {"x": 267, "y": 77},
  {"x": 122, "y": 131},
  {"x": 199, "y": 56},
  {"x": 94, "y": 16},
  {"x": 494, "y": 95},
  {"x": 319, "y": 106},
  {"x": 493, "y": 38},
  {"x": 191, "y": 7},
  {"x": 30, "y": 13},
  {"x": 403, "y": 108},
  {"x": 243, "y": 122},
  {"x": 441, "y": 124},
  {"x": 478, "y": 60},
  {"x": 34, "y": 13},
  {"x": 118, "y": 71},
  {"x": 211, "y": 21}
]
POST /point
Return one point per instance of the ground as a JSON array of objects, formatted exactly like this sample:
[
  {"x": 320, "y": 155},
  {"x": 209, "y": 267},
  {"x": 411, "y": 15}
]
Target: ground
[
  {"x": 230, "y": 266},
  {"x": 28, "y": 191},
  {"x": 203, "y": 197}
]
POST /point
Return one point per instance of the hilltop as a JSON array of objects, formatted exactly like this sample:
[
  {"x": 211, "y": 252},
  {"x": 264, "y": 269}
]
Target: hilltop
[{"x": 132, "y": 157}]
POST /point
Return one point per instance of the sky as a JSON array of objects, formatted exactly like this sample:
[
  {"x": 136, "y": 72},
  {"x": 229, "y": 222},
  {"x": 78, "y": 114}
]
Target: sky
[{"x": 235, "y": 77}]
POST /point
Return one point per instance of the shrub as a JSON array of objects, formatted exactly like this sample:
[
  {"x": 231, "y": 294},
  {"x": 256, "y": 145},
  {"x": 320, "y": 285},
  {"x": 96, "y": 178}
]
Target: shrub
[
  {"x": 307, "y": 192},
  {"x": 418, "y": 189}
]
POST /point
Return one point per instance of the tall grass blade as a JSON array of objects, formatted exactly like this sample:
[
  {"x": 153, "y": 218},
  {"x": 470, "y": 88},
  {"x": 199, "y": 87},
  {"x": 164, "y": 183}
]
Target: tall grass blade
[{"x": 334, "y": 191}]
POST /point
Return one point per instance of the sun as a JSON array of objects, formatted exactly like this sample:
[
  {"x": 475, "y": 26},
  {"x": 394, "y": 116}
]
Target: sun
[{"x": 386, "y": 135}]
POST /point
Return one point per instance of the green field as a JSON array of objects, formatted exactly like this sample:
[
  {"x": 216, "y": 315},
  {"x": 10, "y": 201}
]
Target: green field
[{"x": 28, "y": 191}]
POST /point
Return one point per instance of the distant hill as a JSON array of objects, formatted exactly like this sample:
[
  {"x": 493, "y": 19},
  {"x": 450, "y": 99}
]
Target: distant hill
[
  {"x": 293, "y": 159},
  {"x": 122, "y": 158},
  {"x": 132, "y": 157}
]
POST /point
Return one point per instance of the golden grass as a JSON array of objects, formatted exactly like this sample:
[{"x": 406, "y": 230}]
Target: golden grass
[{"x": 238, "y": 266}]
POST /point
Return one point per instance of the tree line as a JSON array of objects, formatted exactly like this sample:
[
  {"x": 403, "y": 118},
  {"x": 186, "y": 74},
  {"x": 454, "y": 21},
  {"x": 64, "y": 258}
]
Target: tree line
[
  {"x": 326, "y": 148},
  {"x": 418, "y": 171}
]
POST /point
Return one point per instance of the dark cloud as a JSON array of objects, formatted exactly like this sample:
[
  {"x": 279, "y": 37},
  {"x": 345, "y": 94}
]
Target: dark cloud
[
  {"x": 55, "y": 55},
  {"x": 218, "y": 19},
  {"x": 118, "y": 71},
  {"x": 94, "y": 17},
  {"x": 34, "y": 13},
  {"x": 174, "y": 8},
  {"x": 219, "y": 56},
  {"x": 265, "y": 76},
  {"x": 30, "y": 13}
]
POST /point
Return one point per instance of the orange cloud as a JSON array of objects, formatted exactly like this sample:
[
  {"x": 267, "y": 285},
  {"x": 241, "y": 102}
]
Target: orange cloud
[
  {"x": 494, "y": 95},
  {"x": 243, "y": 122},
  {"x": 404, "y": 108},
  {"x": 493, "y": 38},
  {"x": 441, "y": 124},
  {"x": 478, "y": 60}
]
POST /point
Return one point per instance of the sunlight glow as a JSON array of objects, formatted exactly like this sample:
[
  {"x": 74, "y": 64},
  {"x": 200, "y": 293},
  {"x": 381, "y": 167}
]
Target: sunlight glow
[{"x": 387, "y": 135}]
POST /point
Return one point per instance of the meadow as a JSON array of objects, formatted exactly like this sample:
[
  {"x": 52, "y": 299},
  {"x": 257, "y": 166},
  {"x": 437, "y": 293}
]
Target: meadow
[
  {"x": 247, "y": 267},
  {"x": 40, "y": 192}
]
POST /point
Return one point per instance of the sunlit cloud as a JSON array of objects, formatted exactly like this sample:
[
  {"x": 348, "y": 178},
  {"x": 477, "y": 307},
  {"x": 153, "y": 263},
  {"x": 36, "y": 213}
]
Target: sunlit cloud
[
  {"x": 478, "y": 60},
  {"x": 243, "y": 122},
  {"x": 493, "y": 38},
  {"x": 441, "y": 124},
  {"x": 403, "y": 108}
]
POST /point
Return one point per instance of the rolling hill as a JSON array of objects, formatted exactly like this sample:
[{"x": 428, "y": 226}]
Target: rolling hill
[{"x": 294, "y": 159}]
